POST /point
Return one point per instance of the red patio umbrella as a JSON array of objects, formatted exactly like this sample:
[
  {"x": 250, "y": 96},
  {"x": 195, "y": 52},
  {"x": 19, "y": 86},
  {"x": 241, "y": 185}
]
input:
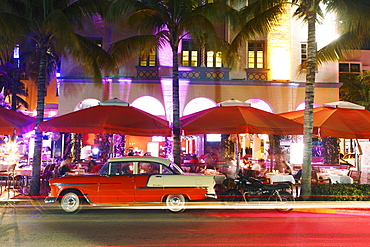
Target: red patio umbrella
[
  {"x": 113, "y": 119},
  {"x": 15, "y": 122},
  {"x": 337, "y": 122},
  {"x": 237, "y": 120}
]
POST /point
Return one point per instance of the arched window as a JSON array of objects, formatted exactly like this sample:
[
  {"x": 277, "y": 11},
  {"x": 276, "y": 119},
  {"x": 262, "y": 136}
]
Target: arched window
[
  {"x": 150, "y": 105},
  {"x": 86, "y": 103},
  {"x": 198, "y": 104},
  {"x": 260, "y": 104},
  {"x": 301, "y": 106}
]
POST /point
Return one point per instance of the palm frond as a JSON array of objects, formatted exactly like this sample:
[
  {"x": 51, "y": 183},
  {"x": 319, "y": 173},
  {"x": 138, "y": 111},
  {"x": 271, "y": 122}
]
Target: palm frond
[
  {"x": 146, "y": 21},
  {"x": 120, "y": 9},
  {"x": 140, "y": 45}
]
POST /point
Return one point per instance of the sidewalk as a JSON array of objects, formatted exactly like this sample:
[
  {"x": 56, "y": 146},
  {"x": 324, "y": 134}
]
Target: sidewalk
[{"x": 21, "y": 194}]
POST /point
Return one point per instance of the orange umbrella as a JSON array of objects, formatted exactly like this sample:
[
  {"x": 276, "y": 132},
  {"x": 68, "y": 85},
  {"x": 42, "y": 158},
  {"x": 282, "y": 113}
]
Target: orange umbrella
[
  {"x": 236, "y": 120},
  {"x": 337, "y": 122},
  {"x": 15, "y": 122},
  {"x": 113, "y": 119}
]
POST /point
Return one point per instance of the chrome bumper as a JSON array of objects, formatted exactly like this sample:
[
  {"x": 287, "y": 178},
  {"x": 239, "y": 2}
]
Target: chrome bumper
[
  {"x": 214, "y": 196},
  {"x": 50, "y": 200}
]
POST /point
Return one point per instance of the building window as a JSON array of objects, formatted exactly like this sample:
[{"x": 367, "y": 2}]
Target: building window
[
  {"x": 303, "y": 52},
  {"x": 150, "y": 60},
  {"x": 97, "y": 40},
  {"x": 189, "y": 53},
  {"x": 353, "y": 68},
  {"x": 214, "y": 59},
  {"x": 349, "y": 71},
  {"x": 256, "y": 54},
  {"x": 204, "y": 2}
]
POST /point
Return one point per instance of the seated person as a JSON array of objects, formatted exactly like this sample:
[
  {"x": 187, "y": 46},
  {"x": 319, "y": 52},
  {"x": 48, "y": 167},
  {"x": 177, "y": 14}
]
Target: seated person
[
  {"x": 95, "y": 169},
  {"x": 153, "y": 169},
  {"x": 126, "y": 169},
  {"x": 298, "y": 176},
  {"x": 286, "y": 168}
]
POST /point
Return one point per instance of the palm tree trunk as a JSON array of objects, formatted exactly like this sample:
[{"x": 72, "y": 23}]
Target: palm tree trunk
[
  {"x": 176, "y": 108},
  {"x": 309, "y": 100},
  {"x": 15, "y": 82},
  {"x": 41, "y": 88}
]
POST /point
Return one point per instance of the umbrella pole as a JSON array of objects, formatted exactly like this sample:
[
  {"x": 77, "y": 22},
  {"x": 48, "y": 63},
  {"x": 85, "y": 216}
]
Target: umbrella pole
[{"x": 237, "y": 154}]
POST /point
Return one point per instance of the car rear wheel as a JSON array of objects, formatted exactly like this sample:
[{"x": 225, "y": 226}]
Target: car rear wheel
[
  {"x": 175, "y": 203},
  {"x": 71, "y": 202}
]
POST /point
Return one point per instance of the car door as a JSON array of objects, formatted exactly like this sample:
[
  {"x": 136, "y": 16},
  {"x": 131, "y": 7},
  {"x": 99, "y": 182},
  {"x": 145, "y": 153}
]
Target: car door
[
  {"x": 149, "y": 182},
  {"x": 117, "y": 184}
]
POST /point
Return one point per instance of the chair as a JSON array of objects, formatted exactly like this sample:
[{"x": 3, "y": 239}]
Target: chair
[
  {"x": 9, "y": 178},
  {"x": 315, "y": 179},
  {"x": 343, "y": 166},
  {"x": 356, "y": 176},
  {"x": 47, "y": 173}
]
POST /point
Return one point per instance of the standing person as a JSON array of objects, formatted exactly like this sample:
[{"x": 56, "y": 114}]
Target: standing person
[
  {"x": 91, "y": 163},
  {"x": 65, "y": 166}
]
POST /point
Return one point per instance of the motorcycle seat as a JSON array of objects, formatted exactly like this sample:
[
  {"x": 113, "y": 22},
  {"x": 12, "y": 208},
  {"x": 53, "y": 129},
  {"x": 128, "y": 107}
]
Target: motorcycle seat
[{"x": 276, "y": 186}]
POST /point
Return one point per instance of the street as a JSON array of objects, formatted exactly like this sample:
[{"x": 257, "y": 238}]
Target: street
[{"x": 32, "y": 226}]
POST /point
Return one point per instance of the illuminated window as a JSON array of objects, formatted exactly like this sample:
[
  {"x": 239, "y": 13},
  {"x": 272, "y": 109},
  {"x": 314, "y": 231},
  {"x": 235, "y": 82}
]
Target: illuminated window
[
  {"x": 198, "y": 104},
  {"x": 189, "y": 53},
  {"x": 303, "y": 52},
  {"x": 97, "y": 40},
  {"x": 256, "y": 54},
  {"x": 150, "y": 60},
  {"x": 203, "y": 2},
  {"x": 214, "y": 59}
]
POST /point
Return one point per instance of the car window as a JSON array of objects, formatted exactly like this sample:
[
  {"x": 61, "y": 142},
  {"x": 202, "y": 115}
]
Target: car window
[
  {"x": 166, "y": 170},
  {"x": 104, "y": 169},
  {"x": 149, "y": 168},
  {"x": 121, "y": 168}
]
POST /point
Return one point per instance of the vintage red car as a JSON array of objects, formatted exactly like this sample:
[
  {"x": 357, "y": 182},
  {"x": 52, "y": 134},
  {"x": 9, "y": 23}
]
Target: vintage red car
[{"x": 130, "y": 180}]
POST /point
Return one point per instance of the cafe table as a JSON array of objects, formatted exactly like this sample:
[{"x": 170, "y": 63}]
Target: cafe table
[
  {"x": 339, "y": 176},
  {"x": 77, "y": 171},
  {"x": 280, "y": 178}
]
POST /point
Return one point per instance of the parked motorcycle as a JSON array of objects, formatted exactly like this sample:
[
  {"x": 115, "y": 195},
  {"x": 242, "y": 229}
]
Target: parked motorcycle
[{"x": 250, "y": 189}]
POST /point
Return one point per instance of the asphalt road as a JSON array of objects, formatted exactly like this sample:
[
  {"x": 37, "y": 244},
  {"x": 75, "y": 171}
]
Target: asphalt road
[{"x": 32, "y": 226}]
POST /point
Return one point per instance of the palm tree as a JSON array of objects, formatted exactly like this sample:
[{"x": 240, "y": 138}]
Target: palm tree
[
  {"x": 354, "y": 30},
  {"x": 356, "y": 89},
  {"x": 167, "y": 22},
  {"x": 7, "y": 82},
  {"x": 51, "y": 25}
]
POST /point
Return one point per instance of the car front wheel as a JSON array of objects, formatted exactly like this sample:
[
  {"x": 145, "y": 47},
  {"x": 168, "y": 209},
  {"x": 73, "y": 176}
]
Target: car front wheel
[
  {"x": 71, "y": 202},
  {"x": 175, "y": 203}
]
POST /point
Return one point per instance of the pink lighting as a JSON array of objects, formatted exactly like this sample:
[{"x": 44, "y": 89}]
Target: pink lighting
[
  {"x": 166, "y": 84},
  {"x": 124, "y": 89}
]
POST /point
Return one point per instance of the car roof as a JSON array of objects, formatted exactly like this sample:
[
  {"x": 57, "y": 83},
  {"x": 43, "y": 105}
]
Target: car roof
[{"x": 140, "y": 159}]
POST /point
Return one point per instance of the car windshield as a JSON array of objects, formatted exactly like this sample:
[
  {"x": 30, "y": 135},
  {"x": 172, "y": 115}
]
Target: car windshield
[
  {"x": 104, "y": 169},
  {"x": 176, "y": 169}
]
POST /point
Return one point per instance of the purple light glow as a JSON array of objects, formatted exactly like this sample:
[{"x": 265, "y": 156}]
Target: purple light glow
[
  {"x": 124, "y": 89},
  {"x": 166, "y": 84}
]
